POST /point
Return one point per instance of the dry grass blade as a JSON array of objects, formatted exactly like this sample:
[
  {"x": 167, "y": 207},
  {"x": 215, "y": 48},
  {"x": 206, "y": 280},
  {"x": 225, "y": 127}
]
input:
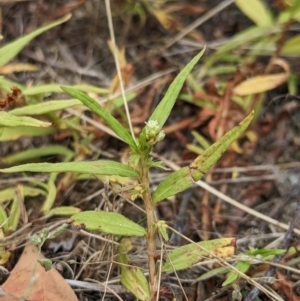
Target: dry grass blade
[{"x": 112, "y": 36}]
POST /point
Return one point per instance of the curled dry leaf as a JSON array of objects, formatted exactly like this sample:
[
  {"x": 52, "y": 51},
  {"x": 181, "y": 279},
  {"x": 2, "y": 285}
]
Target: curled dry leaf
[{"x": 30, "y": 280}]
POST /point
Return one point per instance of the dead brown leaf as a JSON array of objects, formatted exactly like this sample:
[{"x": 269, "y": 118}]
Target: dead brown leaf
[
  {"x": 126, "y": 69},
  {"x": 286, "y": 287},
  {"x": 30, "y": 280}
]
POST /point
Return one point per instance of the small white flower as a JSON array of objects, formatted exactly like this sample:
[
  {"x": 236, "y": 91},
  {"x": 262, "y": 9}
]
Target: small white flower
[{"x": 153, "y": 132}]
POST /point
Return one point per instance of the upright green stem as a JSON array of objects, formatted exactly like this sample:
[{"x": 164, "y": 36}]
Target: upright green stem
[{"x": 151, "y": 234}]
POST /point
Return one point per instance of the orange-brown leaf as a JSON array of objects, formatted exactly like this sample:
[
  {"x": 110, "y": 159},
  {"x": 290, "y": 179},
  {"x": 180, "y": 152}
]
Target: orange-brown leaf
[{"x": 30, "y": 280}]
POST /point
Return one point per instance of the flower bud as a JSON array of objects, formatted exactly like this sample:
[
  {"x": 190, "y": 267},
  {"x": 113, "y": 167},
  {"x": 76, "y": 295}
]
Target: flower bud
[{"x": 153, "y": 132}]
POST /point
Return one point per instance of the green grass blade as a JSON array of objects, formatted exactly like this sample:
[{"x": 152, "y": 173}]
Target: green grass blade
[
  {"x": 245, "y": 37},
  {"x": 256, "y": 11},
  {"x": 14, "y": 216},
  {"x": 162, "y": 111},
  {"x": 10, "y": 50},
  {"x": 242, "y": 266},
  {"x": 8, "y": 194},
  {"x": 114, "y": 124},
  {"x": 64, "y": 210},
  {"x": 291, "y": 46},
  {"x": 45, "y": 107},
  {"x": 100, "y": 167},
  {"x": 212, "y": 273},
  {"x": 3, "y": 219},
  {"x": 14, "y": 133},
  {"x": 51, "y": 194},
  {"x": 30, "y": 154},
  {"x": 56, "y": 88},
  {"x": 9, "y": 120},
  {"x": 15, "y": 210}
]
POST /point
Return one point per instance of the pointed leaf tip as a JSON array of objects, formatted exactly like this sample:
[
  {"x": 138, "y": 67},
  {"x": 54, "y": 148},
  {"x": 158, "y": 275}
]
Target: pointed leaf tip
[
  {"x": 93, "y": 105},
  {"x": 162, "y": 111},
  {"x": 100, "y": 167},
  {"x": 185, "y": 177}
]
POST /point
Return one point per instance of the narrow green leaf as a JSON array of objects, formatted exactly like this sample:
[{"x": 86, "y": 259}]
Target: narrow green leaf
[
  {"x": 265, "y": 253},
  {"x": 222, "y": 69},
  {"x": 162, "y": 111},
  {"x": 242, "y": 266},
  {"x": 9, "y": 193},
  {"x": 256, "y": 11},
  {"x": 10, "y": 50},
  {"x": 245, "y": 37},
  {"x": 118, "y": 101},
  {"x": 188, "y": 255},
  {"x": 292, "y": 12},
  {"x": 114, "y": 124},
  {"x": 201, "y": 139},
  {"x": 296, "y": 14},
  {"x": 51, "y": 195},
  {"x": 15, "y": 214},
  {"x": 64, "y": 210},
  {"x": 9, "y": 120},
  {"x": 100, "y": 167},
  {"x": 212, "y": 273},
  {"x": 292, "y": 84},
  {"x": 106, "y": 222},
  {"x": 185, "y": 177},
  {"x": 3, "y": 219},
  {"x": 56, "y": 88},
  {"x": 34, "y": 153},
  {"x": 291, "y": 46},
  {"x": 45, "y": 107},
  {"x": 195, "y": 149},
  {"x": 14, "y": 133}
]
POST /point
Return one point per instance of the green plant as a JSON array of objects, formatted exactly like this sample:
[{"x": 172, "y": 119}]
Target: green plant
[
  {"x": 243, "y": 49},
  {"x": 138, "y": 167}
]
